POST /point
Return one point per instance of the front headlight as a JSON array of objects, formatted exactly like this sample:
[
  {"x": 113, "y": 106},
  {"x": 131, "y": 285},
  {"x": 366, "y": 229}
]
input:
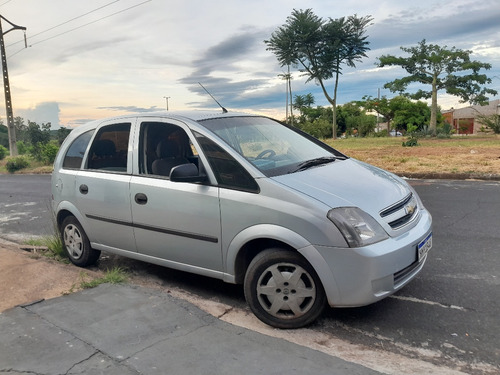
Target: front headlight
[{"x": 357, "y": 227}]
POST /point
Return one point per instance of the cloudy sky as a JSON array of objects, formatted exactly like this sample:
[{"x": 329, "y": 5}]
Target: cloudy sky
[{"x": 99, "y": 58}]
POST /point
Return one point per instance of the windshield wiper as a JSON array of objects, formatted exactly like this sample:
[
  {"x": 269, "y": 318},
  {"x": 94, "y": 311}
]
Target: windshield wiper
[{"x": 314, "y": 162}]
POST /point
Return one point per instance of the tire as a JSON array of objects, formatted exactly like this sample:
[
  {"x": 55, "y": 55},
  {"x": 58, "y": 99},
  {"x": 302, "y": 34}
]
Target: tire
[
  {"x": 76, "y": 243},
  {"x": 283, "y": 290}
]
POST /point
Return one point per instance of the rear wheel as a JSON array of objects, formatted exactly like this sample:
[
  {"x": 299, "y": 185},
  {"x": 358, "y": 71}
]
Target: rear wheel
[
  {"x": 77, "y": 244},
  {"x": 283, "y": 290}
]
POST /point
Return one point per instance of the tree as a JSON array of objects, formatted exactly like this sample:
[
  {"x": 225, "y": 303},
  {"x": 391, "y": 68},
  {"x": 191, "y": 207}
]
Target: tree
[
  {"x": 21, "y": 129},
  {"x": 400, "y": 111},
  {"x": 442, "y": 69},
  {"x": 412, "y": 115},
  {"x": 345, "y": 112},
  {"x": 303, "y": 102},
  {"x": 288, "y": 78},
  {"x": 38, "y": 134},
  {"x": 4, "y": 135},
  {"x": 383, "y": 106},
  {"x": 62, "y": 133},
  {"x": 320, "y": 47}
]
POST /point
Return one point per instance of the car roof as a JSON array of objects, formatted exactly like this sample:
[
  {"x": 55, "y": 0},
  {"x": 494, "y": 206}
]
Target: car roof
[{"x": 192, "y": 115}]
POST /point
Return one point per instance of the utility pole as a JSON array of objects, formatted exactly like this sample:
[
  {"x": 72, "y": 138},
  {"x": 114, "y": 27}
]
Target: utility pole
[
  {"x": 166, "y": 98},
  {"x": 8, "y": 101}
]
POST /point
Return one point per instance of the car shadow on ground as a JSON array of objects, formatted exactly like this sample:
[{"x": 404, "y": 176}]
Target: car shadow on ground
[{"x": 152, "y": 274}]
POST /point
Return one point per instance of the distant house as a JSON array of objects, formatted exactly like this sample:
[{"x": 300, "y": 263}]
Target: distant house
[{"x": 465, "y": 121}]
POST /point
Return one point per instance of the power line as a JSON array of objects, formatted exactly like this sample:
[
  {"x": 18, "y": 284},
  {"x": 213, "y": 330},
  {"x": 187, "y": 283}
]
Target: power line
[
  {"x": 8, "y": 1},
  {"x": 64, "y": 23},
  {"x": 81, "y": 26}
]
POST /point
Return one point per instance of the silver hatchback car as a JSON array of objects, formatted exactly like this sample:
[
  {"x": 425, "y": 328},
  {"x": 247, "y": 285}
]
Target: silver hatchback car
[{"x": 241, "y": 198}]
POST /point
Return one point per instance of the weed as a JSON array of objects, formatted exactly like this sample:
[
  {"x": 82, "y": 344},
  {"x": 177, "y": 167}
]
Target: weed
[
  {"x": 55, "y": 248},
  {"x": 115, "y": 275}
]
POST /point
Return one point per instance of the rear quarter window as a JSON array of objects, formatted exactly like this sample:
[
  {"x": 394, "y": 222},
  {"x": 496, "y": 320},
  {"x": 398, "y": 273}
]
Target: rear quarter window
[
  {"x": 109, "y": 150},
  {"x": 74, "y": 156}
]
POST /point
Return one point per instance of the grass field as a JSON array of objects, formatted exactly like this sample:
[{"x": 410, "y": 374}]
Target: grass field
[{"x": 457, "y": 157}]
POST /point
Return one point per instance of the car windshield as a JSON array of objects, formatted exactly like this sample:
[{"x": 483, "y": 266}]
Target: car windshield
[{"x": 272, "y": 147}]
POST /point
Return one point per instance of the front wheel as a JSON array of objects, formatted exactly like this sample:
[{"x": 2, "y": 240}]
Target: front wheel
[
  {"x": 283, "y": 290},
  {"x": 77, "y": 244}
]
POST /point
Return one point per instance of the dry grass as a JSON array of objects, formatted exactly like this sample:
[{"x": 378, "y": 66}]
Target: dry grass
[
  {"x": 458, "y": 157},
  {"x": 35, "y": 167},
  {"x": 469, "y": 157}
]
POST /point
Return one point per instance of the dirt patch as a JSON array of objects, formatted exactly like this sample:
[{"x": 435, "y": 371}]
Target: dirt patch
[{"x": 27, "y": 277}]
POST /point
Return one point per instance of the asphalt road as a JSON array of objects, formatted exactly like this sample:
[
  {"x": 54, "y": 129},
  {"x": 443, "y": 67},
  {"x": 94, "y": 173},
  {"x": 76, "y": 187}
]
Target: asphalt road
[
  {"x": 25, "y": 206},
  {"x": 448, "y": 315}
]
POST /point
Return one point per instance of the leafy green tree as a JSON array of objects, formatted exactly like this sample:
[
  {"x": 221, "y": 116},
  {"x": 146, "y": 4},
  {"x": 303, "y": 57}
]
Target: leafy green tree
[
  {"x": 313, "y": 113},
  {"x": 320, "y": 47},
  {"x": 451, "y": 70},
  {"x": 3, "y": 152},
  {"x": 385, "y": 107},
  {"x": 361, "y": 125},
  {"x": 49, "y": 152},
  {"x": 62, "y": 133},
  {"x": 4, "y": 135},
  {"x": 303, "y": 104},
  {"x": 23, "y": 148},
  {"x": 320, "y": 128},
  {"x": 303, "y": 101},
  {"x": 345, "y": 112},
  {"x": 38, "y": 134},
  {"x": 400, "y": 111},
  {"x": 38, "y": 137},
  {"x": 355, "y": 119},
  {"x": 412, "y": 114},
  {"x": 21, "y": 129}
]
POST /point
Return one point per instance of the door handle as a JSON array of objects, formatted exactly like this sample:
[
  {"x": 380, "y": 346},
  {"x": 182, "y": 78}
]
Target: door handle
[
  {"x": 141, "y": 198},
  {"x": 84, "y": 189}
]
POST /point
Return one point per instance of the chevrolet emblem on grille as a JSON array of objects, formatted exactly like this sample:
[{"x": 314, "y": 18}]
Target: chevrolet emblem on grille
[{"x": 410, "y": 208}]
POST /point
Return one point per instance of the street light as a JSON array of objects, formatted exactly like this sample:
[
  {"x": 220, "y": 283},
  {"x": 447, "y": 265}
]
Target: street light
[{"x": 166, "y": 98}]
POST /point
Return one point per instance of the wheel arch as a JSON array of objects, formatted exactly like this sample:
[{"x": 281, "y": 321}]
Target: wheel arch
[
  {"x": 250, "y": 251},
  {"x": 253, "y": 240},
  {"x": 66, "y": 209}
]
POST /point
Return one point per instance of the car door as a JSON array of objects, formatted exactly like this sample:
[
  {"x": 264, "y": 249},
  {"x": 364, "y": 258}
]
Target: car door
[
  {"x": 102, "y": 188},
  {"x": 178, "y": 222}
]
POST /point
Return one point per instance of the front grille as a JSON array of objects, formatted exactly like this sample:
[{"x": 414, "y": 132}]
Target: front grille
[
  {"x": 400, "y": 213},
  {"x": 401, "y": 221}
]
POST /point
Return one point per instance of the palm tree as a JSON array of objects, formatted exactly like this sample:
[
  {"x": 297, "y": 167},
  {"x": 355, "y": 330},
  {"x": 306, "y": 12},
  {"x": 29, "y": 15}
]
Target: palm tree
[{"x": 288, "y": 78}]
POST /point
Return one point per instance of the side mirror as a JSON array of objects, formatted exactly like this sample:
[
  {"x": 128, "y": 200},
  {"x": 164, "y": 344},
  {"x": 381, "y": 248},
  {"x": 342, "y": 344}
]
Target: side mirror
[{"x": 186, "y": 173}]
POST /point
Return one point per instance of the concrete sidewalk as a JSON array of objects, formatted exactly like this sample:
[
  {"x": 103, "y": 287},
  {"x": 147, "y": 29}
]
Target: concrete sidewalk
[{"x": 123, "y": 329}]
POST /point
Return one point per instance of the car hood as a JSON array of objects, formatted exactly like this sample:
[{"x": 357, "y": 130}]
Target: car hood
[{"x": 348, "y": 183}]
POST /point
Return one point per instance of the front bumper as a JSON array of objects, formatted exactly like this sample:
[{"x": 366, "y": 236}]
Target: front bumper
[{"x": 360, "y": 276}]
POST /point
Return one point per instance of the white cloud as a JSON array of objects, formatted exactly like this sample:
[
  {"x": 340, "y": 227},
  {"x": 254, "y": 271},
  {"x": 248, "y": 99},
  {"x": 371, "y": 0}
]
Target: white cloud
[
  {"x": 117, "y": 59},
  {"x": 42, "y": 113}
]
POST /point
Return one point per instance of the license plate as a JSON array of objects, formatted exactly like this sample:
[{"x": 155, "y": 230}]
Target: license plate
[{"x": 424, "y": 247}]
